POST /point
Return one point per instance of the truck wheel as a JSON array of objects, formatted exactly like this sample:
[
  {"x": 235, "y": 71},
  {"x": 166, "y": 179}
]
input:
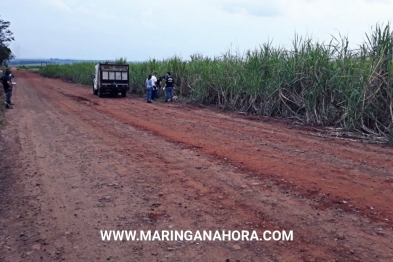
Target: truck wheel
[
  {"x": 124, "y": 94},
  {"x": 100, "y": 94}
]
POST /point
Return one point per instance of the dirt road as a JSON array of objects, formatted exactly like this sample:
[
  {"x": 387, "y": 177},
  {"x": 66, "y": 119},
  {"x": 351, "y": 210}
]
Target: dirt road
[{"x": 73, "y": 164}]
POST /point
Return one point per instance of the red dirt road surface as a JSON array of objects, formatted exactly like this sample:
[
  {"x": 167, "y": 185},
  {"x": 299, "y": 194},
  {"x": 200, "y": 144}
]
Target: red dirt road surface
[{"x": 73, "y": 164}]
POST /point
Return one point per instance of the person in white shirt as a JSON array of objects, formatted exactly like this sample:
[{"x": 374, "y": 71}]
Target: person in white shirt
[{"x": 154, "y": 93}]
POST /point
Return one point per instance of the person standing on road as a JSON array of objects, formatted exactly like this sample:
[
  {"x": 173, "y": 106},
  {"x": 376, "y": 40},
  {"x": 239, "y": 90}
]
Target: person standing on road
[
  {"x": 159, "y": 81},
  {"x": 149, "y": 87},
  {"x": 12, "y": 81},
  {"x": 154, "y": 82},
  {"x": 6, "y": 80},
  {"x": 169, "y": 82}
]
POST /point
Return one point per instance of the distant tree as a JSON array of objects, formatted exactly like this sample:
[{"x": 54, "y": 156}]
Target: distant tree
[
  {"x": 6, "y": 37},
  {"x": 121, "y": 60}
]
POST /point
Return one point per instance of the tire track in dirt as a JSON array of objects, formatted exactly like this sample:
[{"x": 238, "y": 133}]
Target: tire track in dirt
[
  {"x": 268, "y": 220},
  {"x": 316, "y": 174}
]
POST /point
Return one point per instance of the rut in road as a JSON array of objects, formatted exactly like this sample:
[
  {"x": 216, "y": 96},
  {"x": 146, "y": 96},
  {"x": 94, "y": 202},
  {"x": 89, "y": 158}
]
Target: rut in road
[{"x": 87, "y": 164}]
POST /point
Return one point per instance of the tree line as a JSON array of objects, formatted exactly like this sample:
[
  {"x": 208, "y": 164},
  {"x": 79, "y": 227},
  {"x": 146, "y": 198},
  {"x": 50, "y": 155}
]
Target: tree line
[{"x": 6, "y": 37}]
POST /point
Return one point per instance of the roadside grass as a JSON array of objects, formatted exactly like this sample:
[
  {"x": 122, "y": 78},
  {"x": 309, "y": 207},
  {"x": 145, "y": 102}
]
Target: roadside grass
[
  {"x": 322, "y": 84},
  {"x": 78, "y": 72},
  {"x": 33, "y": 68}
]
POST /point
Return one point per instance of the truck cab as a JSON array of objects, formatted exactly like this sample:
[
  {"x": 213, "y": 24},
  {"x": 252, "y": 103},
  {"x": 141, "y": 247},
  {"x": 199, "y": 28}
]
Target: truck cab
[{"x": 111, "y": 78}]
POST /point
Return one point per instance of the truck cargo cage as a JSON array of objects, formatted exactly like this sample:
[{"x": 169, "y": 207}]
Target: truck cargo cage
[{"x": 111, "y": 78}]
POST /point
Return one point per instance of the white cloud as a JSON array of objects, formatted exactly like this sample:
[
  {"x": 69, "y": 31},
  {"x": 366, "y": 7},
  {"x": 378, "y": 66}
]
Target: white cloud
[
  {"x": 93, "y": 13},
  {"x": 147, "y": 18},
  {"x": 60, "y": 4},
  {"x": 163, "y": 28},
  {"x": 257, "y": 8}
]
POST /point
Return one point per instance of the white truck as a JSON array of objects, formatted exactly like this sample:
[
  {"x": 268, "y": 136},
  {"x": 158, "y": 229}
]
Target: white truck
[{"x": 111, "y": 78}]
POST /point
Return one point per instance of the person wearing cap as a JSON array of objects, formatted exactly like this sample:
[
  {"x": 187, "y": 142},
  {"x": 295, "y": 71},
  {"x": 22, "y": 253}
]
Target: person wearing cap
[{"x": 169, "y": 83}]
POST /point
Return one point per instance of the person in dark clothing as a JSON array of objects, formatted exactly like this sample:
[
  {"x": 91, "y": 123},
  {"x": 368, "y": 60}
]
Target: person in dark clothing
[
  {"x": 159, "y": 80},
  {"x": 158, "y": 84},
  {"x": 169, "y": 83},
  {"x": 6, "y": 80}
]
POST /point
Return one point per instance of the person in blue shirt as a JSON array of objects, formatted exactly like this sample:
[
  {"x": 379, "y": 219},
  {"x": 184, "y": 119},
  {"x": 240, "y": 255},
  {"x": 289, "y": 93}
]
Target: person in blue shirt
[{"x": 6, "y": 80}]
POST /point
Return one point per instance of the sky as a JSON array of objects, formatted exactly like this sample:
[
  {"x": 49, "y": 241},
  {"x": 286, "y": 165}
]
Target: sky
[{"x": 161, "y": 29}]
